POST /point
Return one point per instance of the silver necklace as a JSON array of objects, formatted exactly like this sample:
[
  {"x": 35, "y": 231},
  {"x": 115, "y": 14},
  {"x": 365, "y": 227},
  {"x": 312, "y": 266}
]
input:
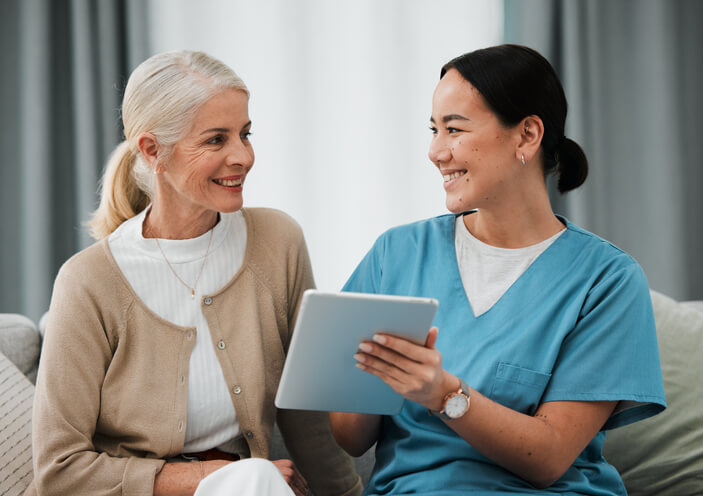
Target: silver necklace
[{"x": 195, "y": 284}]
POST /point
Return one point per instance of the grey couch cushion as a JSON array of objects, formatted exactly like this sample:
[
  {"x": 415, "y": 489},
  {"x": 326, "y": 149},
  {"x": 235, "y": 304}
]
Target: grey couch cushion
[
  {"x": 663, "y": 455},
  {"x": 20, "y": 342},
  {"x": 16, "y": 394}
]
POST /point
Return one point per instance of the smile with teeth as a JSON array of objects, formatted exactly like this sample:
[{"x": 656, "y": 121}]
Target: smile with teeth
[
  {"x": 230, "y": 183},
  {"x": 453, "y": 175}
]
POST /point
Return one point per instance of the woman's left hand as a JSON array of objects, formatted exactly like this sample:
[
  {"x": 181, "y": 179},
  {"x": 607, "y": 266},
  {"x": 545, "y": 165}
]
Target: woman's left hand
[
  {"x": 412, "y": 370},
  {"x": 291, "y": 475}
]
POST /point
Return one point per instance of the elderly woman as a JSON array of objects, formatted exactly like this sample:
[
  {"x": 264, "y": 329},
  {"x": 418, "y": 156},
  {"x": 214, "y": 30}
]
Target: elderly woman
[
  {"x": 546, "y": 335},
  {"x": 166, "y": 339}
]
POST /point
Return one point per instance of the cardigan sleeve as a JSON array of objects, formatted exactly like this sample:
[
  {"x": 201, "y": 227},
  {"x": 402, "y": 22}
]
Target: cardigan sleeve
[
  {"x": 307, "y": 435},
  {"x": 75, "y": 357}
]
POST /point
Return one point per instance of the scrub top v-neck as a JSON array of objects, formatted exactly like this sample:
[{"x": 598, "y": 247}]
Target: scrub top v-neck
[{"x": 576, "y": 325}]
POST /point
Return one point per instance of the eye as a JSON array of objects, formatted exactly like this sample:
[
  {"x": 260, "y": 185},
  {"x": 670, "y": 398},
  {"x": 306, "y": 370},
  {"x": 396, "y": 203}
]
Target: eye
[
  {"x": 452, "y": 130},
  {"x": 433, "y": 129},
  {"x": 218, "y": 139},
  {"x": 245, "y": 136}
]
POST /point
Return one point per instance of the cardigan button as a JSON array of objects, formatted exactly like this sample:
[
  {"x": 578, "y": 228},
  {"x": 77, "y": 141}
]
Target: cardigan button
[
  {"x": 189, "y": 335},
  {"x": 250, "y": 434},
  {"x": 207, "y": 300},
  {"x": 180, "y": 426},
  {"x": 236, "y": 390},
  {"x": 221, "y": 345}
]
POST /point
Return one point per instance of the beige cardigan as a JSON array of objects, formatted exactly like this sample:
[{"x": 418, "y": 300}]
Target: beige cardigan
[{"x": 110, "y": 401}]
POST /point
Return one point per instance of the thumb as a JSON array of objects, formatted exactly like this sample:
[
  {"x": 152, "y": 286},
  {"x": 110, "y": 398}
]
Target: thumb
[{"x": 431, "y": 338}]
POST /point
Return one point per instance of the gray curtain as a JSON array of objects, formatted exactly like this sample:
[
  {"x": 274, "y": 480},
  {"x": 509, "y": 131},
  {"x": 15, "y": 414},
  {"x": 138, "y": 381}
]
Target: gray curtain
[
  {"x": 64, "y": 66},
  {"x": 633, "y": 74}
]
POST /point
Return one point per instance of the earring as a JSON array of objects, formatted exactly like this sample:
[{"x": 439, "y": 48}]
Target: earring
[{"x": 522, "y": 159}]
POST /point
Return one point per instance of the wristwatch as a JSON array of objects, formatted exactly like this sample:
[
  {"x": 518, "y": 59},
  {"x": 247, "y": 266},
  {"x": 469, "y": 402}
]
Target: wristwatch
[{"x": 455, "y": 403}]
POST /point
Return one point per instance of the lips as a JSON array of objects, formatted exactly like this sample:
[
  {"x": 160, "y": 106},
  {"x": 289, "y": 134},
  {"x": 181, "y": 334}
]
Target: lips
[{"x": 229, "y": 183}]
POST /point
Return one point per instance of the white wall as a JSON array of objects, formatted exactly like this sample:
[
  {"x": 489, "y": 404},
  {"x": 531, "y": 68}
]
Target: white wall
[{"x": 341, "y": 99}]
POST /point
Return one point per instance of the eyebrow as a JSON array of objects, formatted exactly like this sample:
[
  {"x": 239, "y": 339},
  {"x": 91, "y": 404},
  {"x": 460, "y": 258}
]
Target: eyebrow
[
  {"x": 223, "y": 129},
  {"x": 451, "y": 117}
]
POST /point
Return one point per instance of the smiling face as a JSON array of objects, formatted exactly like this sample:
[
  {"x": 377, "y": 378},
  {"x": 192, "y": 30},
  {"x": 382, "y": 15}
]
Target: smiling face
[
  {"x": 206, "y": 169},
  {"x": 472, "y": 149}
]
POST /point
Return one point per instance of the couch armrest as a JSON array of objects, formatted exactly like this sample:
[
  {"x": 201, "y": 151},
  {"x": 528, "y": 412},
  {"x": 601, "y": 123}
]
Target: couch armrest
[{"x": 20, "y": 343}]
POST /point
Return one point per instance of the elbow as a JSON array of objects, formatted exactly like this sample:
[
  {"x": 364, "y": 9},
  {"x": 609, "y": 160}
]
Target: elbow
[
  {"x": 347, "y": 443},
  {"x": 352, "y": 437},
  {"x": 546, "y": 475}
]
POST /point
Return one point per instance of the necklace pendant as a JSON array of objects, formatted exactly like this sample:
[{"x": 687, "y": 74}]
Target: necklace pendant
[{"x": 192, "y": 294}]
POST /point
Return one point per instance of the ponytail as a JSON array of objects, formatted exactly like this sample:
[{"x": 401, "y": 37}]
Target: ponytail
[
  {"x": 121, "y": 194},
  {"x": 572, "y": 165}
]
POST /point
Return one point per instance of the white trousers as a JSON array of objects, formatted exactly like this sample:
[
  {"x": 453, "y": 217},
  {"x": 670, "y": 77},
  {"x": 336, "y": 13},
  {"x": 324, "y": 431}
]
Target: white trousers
[{"x": 248, "y": 477}]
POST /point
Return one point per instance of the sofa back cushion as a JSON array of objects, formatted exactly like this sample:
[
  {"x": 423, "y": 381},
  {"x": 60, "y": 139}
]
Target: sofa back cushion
[
  {"x": 16, "y": 394},
  {"x": 663, "y": 455}
]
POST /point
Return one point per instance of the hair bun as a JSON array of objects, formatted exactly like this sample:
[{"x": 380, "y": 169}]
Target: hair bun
[{"x": 573, "y": 165}]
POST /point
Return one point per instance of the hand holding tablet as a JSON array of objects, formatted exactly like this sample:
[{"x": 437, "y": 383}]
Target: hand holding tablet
[{"x": 320, "y": 372}]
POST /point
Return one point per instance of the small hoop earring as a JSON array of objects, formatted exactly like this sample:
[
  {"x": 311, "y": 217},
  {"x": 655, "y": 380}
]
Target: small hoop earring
[{"x": 522, "y": 159}]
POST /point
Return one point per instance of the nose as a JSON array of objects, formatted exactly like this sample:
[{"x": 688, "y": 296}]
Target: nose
[
  {"x": 439, "y": 151},
  {"x": 240, "y": 153}
]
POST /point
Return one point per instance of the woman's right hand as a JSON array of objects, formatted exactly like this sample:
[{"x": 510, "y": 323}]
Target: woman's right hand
[{"x": 292, "y": 477}]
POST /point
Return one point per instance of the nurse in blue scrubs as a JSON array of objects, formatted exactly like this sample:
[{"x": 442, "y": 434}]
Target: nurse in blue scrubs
[{"x": 544, "y": 338}]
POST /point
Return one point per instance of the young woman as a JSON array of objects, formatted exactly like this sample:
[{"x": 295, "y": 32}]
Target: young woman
[
  {"x": 166, "y": 339},
  {"x": 544, "y": 336}
]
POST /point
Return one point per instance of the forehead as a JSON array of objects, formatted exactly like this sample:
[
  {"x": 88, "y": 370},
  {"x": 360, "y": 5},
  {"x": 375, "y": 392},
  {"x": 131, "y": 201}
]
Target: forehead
[
  {"x": 455, "y": 95},
  {"x": 226, "y": 108}
]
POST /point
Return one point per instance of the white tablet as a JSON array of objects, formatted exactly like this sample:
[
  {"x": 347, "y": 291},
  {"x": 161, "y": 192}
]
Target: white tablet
[{"x": 320, "y": 371}]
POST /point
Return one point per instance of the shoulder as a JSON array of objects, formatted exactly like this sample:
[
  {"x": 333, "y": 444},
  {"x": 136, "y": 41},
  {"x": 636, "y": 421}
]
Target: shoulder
[
  {"x": 596, "y": 250},
  {"x": 608, "y": 269},
  {"x": 270, "y": 224},
  {"x": 91, "y": 271},
  {"x": 87, "y": 261},
  {"x": 420, "y": 229}
]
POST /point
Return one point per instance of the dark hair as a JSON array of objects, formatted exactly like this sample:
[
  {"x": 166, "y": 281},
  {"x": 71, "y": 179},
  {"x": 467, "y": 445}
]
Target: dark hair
[{"x": 516, "y": 81}]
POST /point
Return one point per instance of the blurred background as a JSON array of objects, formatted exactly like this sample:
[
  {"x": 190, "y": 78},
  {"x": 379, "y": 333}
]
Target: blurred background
[{"x": 341, "y": 97}]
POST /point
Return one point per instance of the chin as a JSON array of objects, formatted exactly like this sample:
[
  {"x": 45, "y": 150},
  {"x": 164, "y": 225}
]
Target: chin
[
  {"x": 228, "y": 207},
  {"x": 457, "y": 207}
]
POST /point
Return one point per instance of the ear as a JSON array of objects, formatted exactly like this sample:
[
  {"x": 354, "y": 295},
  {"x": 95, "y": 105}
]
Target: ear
[
  {"x": 531, "y": 130},
  {"x": 149, "y": 148}
]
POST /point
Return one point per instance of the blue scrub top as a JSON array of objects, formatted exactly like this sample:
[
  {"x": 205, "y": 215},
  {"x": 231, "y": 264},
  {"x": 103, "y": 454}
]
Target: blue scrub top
[{"x": 577, "y": 325}]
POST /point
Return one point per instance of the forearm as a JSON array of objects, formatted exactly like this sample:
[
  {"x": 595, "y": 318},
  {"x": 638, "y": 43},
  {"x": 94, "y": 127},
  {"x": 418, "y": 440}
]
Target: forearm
[
  {"x": 182, "y": 479},
  {"x": 538, "y": 448},
  {"x": 355, "y": 432},
  {"x": 532, "y": 447}
]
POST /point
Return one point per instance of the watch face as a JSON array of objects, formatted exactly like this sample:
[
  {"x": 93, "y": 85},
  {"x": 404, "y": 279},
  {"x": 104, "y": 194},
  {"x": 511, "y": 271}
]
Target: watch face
[{"x": 456, "y": 406}]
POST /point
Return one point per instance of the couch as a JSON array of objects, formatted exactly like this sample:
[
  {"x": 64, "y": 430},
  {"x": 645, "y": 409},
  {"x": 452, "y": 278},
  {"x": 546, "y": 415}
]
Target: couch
[{"x": 659, "y": 456}]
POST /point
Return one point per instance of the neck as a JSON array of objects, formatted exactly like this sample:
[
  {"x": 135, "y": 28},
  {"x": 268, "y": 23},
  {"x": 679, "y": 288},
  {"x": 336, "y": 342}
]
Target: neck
[
  {"x": 171, "y": 225},
  {"x": 524, "y": 221}
]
